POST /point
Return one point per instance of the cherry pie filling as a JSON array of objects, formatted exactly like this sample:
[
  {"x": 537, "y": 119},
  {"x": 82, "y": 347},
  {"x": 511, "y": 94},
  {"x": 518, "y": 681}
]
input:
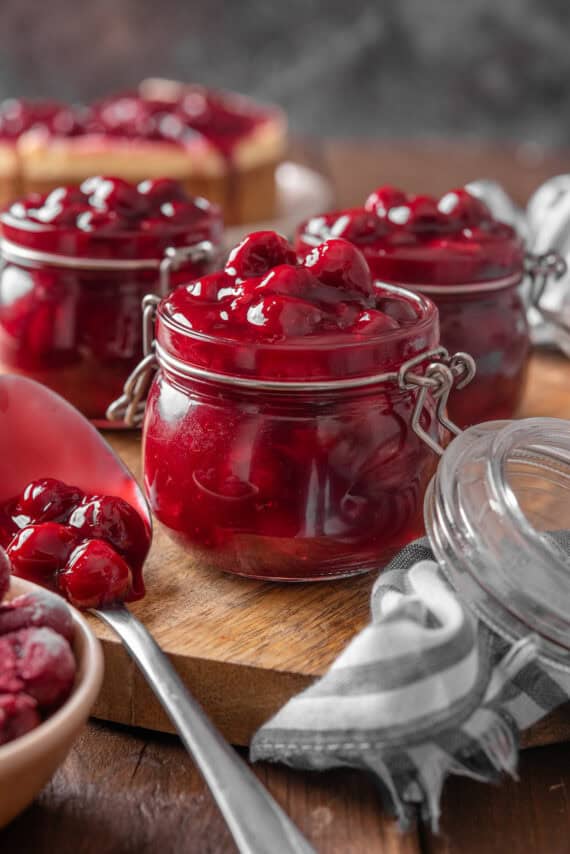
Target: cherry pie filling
[
  {"x": 274, "y": 481},
  {"x": 79, "y": 330},
  {"x": 469, "y": 263},
  {"x": 88, "y": 548}
]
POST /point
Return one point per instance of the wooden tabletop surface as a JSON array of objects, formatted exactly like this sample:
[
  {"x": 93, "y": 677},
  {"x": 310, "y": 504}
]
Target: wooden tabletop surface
[{"x": 124, "y": 790}]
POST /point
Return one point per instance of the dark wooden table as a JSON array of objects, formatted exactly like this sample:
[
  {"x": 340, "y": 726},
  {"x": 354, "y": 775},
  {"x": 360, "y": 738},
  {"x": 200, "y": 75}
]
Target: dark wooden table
[{"x": 134, "y": 791}]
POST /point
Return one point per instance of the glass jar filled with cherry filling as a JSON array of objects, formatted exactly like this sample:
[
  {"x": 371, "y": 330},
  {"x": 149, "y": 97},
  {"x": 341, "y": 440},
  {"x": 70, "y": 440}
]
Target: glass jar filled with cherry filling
[
  {"x": 76, "y": 265},
  {"x": 469, "y": 263},
  {"x": 291, "y": 427}
]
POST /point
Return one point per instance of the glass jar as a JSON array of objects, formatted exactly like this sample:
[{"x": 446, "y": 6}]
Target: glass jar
[
  {"x": 499, "y": 489},
  {"x": 70, "y": 296},
  {"x": 292, "y": 479},
  {"x": 471, "y": 265}
]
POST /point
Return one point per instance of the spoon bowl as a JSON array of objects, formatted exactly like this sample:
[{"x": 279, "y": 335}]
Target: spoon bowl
[{"x": 41, "y": 435}]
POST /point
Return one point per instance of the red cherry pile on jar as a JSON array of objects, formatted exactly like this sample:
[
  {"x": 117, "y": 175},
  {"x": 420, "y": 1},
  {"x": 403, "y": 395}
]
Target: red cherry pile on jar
[
  {"x": 89, "y": 548},
  {"x": 37, "y": 665}
]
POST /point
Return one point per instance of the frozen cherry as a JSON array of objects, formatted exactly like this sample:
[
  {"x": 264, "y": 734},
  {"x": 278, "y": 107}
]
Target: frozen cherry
[
  {"x": 109, "y": 518},
  {"x": 18, "y": 715},
  {"x": 39, "y": 609},
  {"x": 37, "y": 552},
  {"x": 382, "y": 200},
  {"x": 48, "y": 499},
  {"x": 463, "y": 209},
  {"x": 342, "y": 265},
  {"x": 258, "y": 253},
  {"x": 95, "y": 576},
  {"x": 39, "y": 662}
]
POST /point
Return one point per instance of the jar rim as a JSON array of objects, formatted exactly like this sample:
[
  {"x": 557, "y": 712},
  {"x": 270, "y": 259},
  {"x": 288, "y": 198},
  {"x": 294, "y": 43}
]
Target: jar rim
[
  {"x": 429, "y": 313},
  {"x": 468, "y": 288},
  {"x": 513, "y": 576}
]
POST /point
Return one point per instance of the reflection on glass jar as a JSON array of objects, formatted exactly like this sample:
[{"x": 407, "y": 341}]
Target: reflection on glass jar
[{"x": 77, "y": 264}]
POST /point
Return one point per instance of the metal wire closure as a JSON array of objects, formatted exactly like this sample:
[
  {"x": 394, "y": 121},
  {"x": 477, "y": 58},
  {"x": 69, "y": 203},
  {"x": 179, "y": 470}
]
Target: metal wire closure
[
  {"x": 541, "y": 270},
  {"x": 441, "y": 374},
  {"x": 173, "y": 258}
]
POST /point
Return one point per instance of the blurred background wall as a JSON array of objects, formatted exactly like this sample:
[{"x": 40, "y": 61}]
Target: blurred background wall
[{"x": 475, "y": 68}]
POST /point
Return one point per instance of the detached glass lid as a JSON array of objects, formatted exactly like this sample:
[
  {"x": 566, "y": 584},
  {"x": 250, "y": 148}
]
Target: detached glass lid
[{"x": 498, "y": 516}]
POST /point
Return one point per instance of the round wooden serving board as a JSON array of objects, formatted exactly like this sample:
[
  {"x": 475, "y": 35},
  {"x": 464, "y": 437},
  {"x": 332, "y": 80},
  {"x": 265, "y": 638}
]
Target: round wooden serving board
[{"x": 244, "y": 647}]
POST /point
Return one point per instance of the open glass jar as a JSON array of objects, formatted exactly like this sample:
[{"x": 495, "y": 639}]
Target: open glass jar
[
  {"x": 470, "y": 264},
  {"x": 500, "y": 489},
  {"x": 76, "y": 265},
  {"x": 294, "y": 461}
]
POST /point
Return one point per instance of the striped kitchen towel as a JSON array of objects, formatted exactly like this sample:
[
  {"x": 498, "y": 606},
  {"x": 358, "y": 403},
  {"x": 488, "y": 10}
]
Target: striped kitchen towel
[{"x": 424, "y": 691}]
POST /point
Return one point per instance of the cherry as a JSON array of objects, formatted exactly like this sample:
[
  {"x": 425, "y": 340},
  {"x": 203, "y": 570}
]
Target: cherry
[
  {"x": 424, "y": 214},
  {"x": 162, "y": 190},
  {"x": 39, "y": 662},
  {"x": 372, "y": 322},
  {"x": 5, "y": 569},
  {"x": 382, "y": 200},
  {"x": 64, "y": 197},
  {"x": 95, "y": 576},
  {"x": 287, "y": 281},
  {"x": 258, "y": 253},
  {"x": 109, "y": 518},
  {"x": 48, "y": 499},
  {"x": 91, "y": 220},
  {"x": 463, "y": 209},
  {"x": 114, "y": 194},
  {"x": 342, "y": 265},
  {"x": 37, "y": 552},
  {"x": 212, "y": 288},
  {"x": 284, "y": 317},
  {"x": 8, "y": 527},
  {"x": 358, "y": 227},
  {"x": 399, "y": 310}
]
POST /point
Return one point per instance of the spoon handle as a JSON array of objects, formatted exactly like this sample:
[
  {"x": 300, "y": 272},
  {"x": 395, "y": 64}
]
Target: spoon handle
[{"x": 256, "y": 822}]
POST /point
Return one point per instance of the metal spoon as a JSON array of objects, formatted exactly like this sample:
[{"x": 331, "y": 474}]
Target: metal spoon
[{"x": 43, "y": 436}]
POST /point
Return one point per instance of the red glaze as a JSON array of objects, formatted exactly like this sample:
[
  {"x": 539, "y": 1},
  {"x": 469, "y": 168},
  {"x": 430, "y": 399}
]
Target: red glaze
[
  {"x": 221, "y": 118},
  {"x": 448, "y": 243},
  {"x": 5, "y": 569},
  {"x": 96, "y": 558},
  {"x": 95, "y": 576},
  {"x": 79, "y": 331},
  {"x": 289, "y": 484}
]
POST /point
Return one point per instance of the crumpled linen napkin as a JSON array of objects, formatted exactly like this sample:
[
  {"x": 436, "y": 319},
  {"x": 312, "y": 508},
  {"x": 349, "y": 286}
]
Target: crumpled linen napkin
[{"x": 424, "y": 691}]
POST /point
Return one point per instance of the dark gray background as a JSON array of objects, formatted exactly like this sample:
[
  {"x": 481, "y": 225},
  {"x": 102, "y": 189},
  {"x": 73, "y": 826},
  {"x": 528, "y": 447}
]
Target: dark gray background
[{"x": 462, "y": 68}]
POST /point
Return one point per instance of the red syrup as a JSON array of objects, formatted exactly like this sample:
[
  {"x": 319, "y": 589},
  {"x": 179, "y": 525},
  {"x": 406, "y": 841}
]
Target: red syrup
[
  {"x": 75, "y": 329},
  {"x": 263, "y": 479},
  {"x": 89, "y": 548},
  {"x": 470, "y": 264}
]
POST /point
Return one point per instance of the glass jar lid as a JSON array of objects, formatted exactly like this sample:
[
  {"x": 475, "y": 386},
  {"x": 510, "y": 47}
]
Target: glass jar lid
[{"x": 498, "y": 516}]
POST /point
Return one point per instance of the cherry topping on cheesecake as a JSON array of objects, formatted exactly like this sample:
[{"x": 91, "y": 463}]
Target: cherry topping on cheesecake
[
  {"x": 93, "y": 554},
  {"x": 418, "y": 239},
  {"x": 266, "y": 295},
  {"x": 18, "y": 115}
]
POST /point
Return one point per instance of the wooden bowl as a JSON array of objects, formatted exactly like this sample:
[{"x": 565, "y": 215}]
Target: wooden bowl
[{"x": 28, "y": 762}]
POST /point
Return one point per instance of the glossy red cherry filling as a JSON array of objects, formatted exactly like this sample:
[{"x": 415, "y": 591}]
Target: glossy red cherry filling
[
  {"x": 470, "y": 264},
  {"x": 78, "y": 330},
  {"x": 90, "y": 548},
  {"x": 413, "y": 239},
  {"x": 18, "y": 115},
  {"x": 302, "y": 477},
  {"x": 308, "y": 318}
]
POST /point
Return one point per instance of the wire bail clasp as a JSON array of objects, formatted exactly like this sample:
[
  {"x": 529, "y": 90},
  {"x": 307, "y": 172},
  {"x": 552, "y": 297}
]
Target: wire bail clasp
[
  {"x": 440, "y": 377},
  {"x": 543, "y": 270},
  {"x": 176, "y": 256}
]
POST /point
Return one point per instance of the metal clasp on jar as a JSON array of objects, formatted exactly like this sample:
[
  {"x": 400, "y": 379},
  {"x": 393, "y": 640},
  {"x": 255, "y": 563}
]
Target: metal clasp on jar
[
  {"x": 442, "y": 373},
  {"x": 542, "y": 270}
]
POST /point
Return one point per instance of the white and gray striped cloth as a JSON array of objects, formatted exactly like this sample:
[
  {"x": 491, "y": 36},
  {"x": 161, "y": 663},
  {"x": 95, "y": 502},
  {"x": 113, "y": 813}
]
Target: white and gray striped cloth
[{"x": 424, "y": 691}]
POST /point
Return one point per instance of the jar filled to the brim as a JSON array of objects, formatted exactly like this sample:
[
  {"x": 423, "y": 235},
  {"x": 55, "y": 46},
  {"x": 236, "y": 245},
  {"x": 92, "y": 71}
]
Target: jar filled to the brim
[
  {"x": 76, "y": 265},
  {"x": 293, "y": 421},
  {"x": 468, "y": 262}
]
